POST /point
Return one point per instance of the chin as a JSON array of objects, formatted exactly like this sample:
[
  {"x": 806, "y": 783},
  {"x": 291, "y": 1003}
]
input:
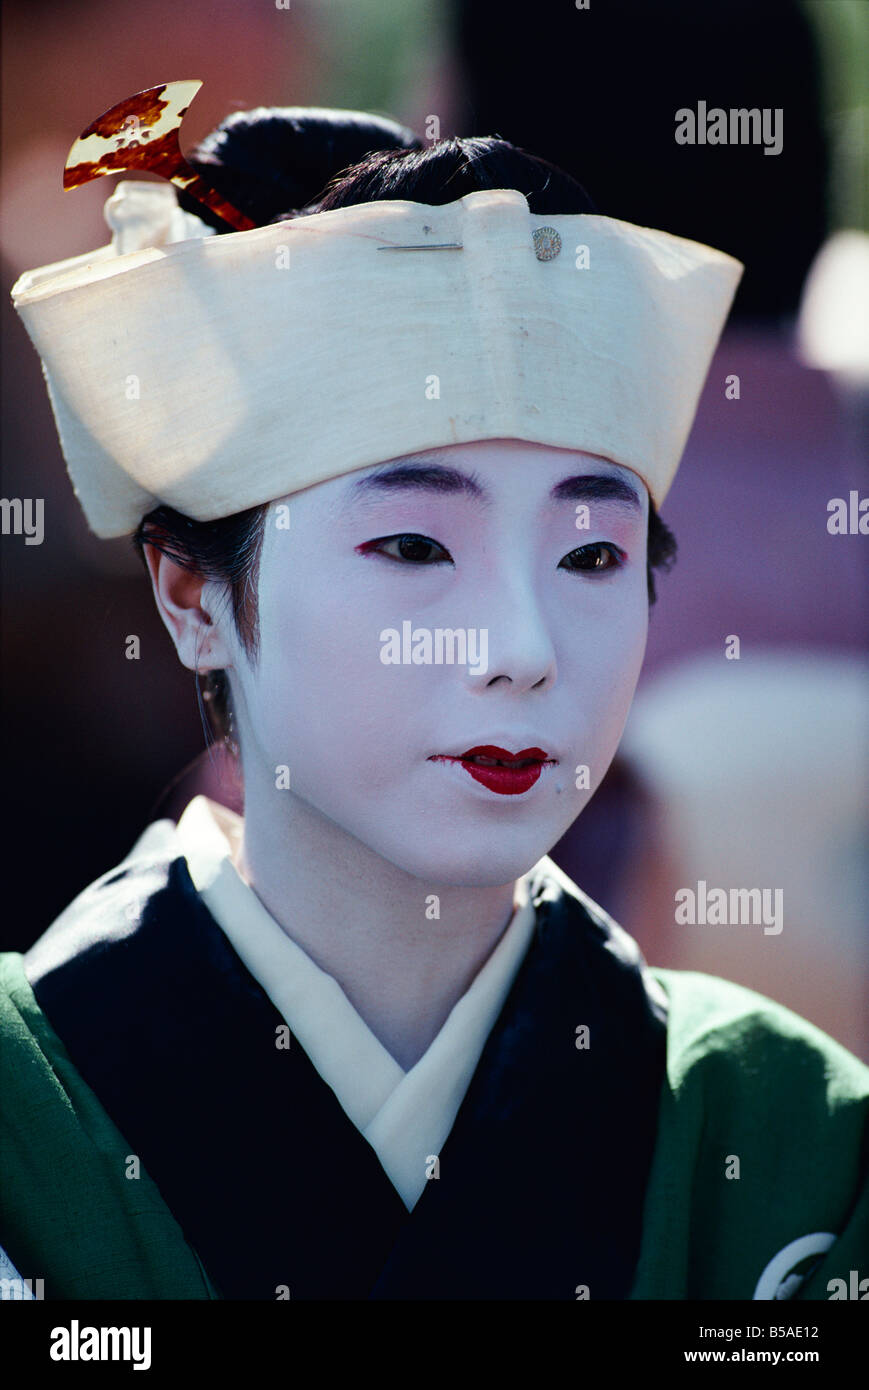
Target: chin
[{"x": 471, "y": 865}]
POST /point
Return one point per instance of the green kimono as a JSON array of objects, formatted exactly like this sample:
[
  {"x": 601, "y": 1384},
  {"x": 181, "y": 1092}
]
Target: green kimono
[{"x": 756, "y": 1184}]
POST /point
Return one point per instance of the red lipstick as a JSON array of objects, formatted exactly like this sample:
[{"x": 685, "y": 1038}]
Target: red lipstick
[{"x": 509, "y": 774}]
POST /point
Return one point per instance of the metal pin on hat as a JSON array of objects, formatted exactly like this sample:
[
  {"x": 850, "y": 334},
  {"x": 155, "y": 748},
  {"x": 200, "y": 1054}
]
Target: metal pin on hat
[
  {"x": 547, "y": 244},
  {"x": 426, "y": 246}
]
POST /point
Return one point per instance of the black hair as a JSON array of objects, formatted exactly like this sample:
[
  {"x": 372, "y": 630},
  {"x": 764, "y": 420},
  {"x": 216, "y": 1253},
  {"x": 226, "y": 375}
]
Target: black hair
[{"x": 277, "y": 163}]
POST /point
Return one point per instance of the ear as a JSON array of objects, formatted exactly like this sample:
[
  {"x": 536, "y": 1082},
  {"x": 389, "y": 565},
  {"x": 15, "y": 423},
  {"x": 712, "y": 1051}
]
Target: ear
[{"x": 184, "y": 600}]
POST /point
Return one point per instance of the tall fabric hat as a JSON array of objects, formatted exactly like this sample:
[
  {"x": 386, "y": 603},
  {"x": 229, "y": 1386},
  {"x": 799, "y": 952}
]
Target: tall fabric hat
[{"x": 214, "y": 373}]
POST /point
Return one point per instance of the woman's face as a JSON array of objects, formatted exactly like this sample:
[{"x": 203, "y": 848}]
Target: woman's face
[{"x": 413, "y": 612}]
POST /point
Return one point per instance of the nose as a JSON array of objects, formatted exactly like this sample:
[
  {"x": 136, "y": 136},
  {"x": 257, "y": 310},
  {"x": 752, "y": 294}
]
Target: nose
[{"x": 521, "y": 654}]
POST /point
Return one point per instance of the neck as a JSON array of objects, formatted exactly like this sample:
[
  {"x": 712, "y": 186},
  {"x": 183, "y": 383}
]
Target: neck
[{"x": 364, "y": 921}]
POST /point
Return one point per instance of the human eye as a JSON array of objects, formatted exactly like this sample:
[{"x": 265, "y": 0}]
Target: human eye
[
  {"x": 596, "y": 558},
  {"x": 408, "y": 549}
]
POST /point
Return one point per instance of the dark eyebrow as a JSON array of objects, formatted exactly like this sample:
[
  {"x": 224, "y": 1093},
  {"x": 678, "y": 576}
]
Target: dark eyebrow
[
  {"x": 436, "y": 477},
  {"x": 422, "y": 477},
  {"x": 596, "y": 487}
]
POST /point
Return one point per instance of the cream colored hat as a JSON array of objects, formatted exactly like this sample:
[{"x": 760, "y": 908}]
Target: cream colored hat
[{"x": 213, "y": 373}]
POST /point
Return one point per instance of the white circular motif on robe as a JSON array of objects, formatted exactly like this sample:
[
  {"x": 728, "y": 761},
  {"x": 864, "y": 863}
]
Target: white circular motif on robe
[{"x": 773, "y": 1282}]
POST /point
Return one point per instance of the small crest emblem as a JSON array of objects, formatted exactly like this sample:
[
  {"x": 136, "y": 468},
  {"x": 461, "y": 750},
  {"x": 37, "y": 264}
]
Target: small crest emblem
[{"x": 547, "y": 243}]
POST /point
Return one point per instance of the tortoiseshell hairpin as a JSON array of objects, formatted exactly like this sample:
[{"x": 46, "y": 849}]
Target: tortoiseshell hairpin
[{"x": 142, "y": 133}]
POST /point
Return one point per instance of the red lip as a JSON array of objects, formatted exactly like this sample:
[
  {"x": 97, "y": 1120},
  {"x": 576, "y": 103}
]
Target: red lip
[
  {"x": 520, "y": 774},
  {"x": 491, "y": 750}
]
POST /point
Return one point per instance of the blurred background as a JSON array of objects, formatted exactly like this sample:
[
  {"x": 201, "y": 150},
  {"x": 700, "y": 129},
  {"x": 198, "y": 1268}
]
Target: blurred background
[{"x": 748, "y": 773}]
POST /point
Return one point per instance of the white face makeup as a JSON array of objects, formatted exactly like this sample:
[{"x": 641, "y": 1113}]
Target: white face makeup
[{"x": 480, "y": 539}]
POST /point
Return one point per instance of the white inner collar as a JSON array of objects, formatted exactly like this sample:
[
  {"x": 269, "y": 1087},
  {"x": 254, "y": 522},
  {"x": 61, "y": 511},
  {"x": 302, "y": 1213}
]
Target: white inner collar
[{"x": 405, "y": 1116}]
